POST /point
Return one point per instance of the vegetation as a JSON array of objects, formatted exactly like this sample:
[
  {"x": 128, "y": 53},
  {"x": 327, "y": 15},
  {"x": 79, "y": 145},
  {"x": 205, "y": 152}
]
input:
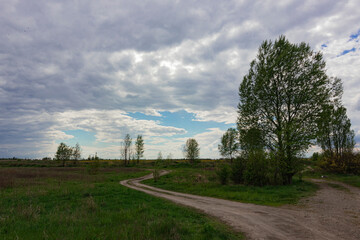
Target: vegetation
[
  {"x": 205, "y": 182},
  {"x": 229, "y": 144},
  {"x": 139, "y": 148},
  {"x": 191, "y": 150},
  {"x": 337, "y": 140},
  {"x": 76, "y": 152},
  {"x": 281, "y": 99},
  {"x": 63, "y": 153},
  {"x": 126, "y": 149},
  {"x": 68, "y": 203}
]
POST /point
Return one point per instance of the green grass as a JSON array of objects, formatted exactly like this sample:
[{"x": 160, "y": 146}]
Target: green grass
[
  {"x": 204, "y": 182},
  {"x": 75, "y": 205},
  {"x": 353, "y": 180}
]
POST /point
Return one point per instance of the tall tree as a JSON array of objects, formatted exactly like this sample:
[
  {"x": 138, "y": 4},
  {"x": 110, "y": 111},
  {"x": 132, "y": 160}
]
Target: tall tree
[
  {"x": 191, "y": 150},
  {"x": 229, "y": 144},
  {"x": 139, "y": 148},
  {"x": 126, "y": 149},
  {"x": 282, "y": 97},
  {"x": 63, "y": 153}
]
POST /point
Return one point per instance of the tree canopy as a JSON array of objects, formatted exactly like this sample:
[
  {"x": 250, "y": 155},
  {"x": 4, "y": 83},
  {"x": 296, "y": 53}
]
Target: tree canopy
[
  {"x": 229, "y": 143},
  {"x": 191, "y": 150},
  {"x": 281, "y": 98}
]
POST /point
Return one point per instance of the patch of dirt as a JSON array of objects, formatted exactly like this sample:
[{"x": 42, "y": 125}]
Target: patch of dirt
[{"x": 331, "y": 214}]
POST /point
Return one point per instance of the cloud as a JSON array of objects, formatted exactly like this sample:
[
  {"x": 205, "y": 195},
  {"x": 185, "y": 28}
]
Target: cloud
[
  {"x": 38, "y": 131},
  {"x": 63, "y": 60}
]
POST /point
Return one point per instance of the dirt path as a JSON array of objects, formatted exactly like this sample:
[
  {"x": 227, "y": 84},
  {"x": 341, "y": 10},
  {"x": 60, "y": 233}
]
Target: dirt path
[{"x": 333, "y": 213}]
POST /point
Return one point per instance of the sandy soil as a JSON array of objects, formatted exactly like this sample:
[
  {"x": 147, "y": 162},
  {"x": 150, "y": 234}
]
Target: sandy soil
[{"x": 333, "y": 213}]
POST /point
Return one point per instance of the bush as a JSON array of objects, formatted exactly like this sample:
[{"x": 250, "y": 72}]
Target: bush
[
  {"x": 348, "y": 163},
  {"x": 223, "y": 173},
  {"x": 257, "y": 169},
  {"x": 237, "y": 170}
]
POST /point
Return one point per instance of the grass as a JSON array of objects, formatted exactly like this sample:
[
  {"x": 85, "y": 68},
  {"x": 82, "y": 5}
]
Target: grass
[
  {"x": 203, "y": 181},
  {"x": 68, "y": 203},
  {"x": 350, "y": 179}
]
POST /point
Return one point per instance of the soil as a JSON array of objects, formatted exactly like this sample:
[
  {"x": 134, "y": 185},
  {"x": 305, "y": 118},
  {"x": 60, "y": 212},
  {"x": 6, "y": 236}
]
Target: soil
[{"x": 332, "y": 213}]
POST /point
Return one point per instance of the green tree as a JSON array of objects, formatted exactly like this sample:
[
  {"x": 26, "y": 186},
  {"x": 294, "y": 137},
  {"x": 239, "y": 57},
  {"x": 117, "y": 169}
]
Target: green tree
[
  {"x": 335, "y": 136},
  {"x": 229, "y": 144},
  {"x": 282, "y": 97},
  {"x": 63, "y": 153},
  {"x": 139, "y": 148},
  {"x": 191, "y": 150}
]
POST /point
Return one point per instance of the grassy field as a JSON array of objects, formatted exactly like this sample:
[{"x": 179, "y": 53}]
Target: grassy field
[
  {"x": 203, "y": 181},
  {"x": 68, "y": 203}
]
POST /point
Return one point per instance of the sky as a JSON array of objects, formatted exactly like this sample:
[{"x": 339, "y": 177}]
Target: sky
[{"x": 92, "y": 71}]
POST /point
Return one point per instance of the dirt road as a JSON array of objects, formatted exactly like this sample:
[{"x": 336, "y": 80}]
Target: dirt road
[{"x": 333, "y": 213}]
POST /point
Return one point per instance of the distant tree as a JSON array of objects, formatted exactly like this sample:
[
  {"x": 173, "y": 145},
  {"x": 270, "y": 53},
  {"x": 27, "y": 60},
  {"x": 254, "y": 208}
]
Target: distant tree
[
  {"x": 159, "y": 157},
  {"x": 335, "y": 136},
  {"x": 229, "y": 144},
  {"x": 282, "y": 97},
  {"x": 191, "y": 150},
  {"x": 139, "y": 148},
  {"x": 63, "y": 153},
  {"x": 126, "y": 149},
  {"x": 76, "y": 153}
]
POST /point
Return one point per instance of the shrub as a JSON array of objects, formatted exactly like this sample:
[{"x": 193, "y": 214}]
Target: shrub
[
  {"x": 237, "y": 170},
  {"x": 257, "y": 169},
  {"x": 223, "y": 173}
]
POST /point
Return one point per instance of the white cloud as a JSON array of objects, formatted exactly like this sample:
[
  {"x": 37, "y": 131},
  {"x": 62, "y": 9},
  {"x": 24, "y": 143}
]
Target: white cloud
[{"x": 79, "y": 62}]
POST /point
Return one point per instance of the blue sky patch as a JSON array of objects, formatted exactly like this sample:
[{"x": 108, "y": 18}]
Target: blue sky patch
[
  {"x": 355, "y": 36},
  {"x": 347, "y": 51},
  {"x": 182, "y": 119}
]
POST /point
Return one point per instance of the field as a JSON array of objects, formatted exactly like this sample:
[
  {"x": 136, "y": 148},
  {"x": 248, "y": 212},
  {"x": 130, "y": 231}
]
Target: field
[
  {"x": 69, "y": 203},
  {"x": 41, "y": 200}
]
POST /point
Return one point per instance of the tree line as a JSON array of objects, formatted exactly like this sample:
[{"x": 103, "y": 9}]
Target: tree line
[{"x": 128, "y": 152}]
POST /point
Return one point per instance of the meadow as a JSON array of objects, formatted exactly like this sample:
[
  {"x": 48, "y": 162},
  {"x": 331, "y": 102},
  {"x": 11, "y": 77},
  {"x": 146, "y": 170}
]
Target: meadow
[
  {"x": 39, "y": 199},
  {"x": 49, "y": 202}
]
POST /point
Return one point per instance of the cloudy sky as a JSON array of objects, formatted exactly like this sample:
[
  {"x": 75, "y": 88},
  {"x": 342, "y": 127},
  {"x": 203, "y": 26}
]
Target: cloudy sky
[{"x": 92, "y": 71}]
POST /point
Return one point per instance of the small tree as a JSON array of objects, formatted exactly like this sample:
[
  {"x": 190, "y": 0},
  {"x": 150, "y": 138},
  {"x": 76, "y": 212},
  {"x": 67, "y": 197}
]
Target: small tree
[
  {"x": 191, "y": 150},
  {"x": 335, "y": 136},
  {"x": 139, "y": 148},
  {"x": 76, "y": 154},
  {"x": 229, "y": 144},
  {"x": 159, "y": 157},
  {"x": 126, "y": 149},
  {"x": 63, "y": 153}
]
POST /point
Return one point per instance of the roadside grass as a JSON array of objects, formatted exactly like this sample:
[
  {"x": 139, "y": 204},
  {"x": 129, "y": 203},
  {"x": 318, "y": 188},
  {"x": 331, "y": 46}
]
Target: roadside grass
[
  {"x": 203, "y": 181},
  {"x": 350, "y": 179},
  {"x": 68, "y": 203}
]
